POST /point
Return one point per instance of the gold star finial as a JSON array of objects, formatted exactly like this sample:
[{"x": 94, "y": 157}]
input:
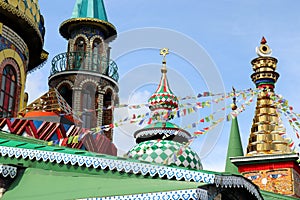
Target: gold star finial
[{"x": 164, "y": 52}]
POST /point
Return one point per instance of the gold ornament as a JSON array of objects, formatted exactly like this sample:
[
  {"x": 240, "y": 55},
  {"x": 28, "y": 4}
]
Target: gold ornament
[{"x": 14, "y": 3}]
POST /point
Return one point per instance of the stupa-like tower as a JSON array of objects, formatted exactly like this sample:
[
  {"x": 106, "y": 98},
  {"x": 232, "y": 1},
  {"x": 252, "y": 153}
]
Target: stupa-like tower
[
  {"x": 269, "y": 161},
  {"x": 265, "y": 137}
]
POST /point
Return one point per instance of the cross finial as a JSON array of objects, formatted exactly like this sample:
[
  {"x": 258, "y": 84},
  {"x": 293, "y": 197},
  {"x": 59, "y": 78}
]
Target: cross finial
[{"x": 164, "y": 52}]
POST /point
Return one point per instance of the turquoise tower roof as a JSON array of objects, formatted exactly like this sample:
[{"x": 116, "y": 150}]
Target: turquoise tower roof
[
  {"x": 88, "y": 13},
  {"x": 89, "y": 9}
]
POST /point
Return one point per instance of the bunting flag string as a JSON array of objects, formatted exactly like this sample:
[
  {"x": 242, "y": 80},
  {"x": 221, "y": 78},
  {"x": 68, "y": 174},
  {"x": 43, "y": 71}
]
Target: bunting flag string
[
  {"x": 69, "y": 140},
  {"x": 284, "y": 108},
  {"x": 183, "y": 112},
  {"x": 204, "y": 94},
  {"x": 176, "y": 113},
  {"x": 228, "y": 117}
]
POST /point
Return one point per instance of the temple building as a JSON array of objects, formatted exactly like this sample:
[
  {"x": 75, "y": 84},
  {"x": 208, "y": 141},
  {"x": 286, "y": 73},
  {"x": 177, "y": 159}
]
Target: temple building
[{"x": 60, "y": 146}]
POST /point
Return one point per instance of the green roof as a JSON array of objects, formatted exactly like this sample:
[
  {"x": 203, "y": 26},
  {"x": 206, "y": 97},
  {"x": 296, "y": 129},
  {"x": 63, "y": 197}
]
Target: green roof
[
  {"x": 46, "y": 184},
  {"x": 234, "y": 147},
  {"x": 9, "y": 136},
  {"x": 89, "y": 9},
  {"x": 47, "y": 177}
]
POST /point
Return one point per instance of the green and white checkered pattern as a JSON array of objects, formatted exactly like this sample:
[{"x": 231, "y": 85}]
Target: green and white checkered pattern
[{"x": 166, "y": 152}]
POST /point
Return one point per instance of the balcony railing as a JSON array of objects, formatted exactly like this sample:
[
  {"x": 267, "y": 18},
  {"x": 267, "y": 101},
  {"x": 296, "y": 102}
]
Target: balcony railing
[{"x": 82, "y": 61}]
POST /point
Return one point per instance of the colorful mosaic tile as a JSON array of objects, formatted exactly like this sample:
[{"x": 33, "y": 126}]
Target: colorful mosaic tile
[{"x": 166, "y": 152}]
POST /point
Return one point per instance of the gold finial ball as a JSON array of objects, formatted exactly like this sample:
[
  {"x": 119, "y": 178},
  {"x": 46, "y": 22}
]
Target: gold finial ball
[{"x": 233, "y": 106}]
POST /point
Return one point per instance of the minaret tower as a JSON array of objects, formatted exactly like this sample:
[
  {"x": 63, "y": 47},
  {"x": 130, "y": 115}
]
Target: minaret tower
[
  {"x": 84, "y": 75},
  {"x": 269, "y": 162},
  {"x": 265, "y": 137}
]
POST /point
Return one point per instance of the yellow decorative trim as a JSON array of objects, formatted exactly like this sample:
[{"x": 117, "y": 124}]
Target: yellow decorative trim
[
  {"x": 97, "y": 22},
  {"x": 1, "y": 28},
  {"x": 44, "y": 55},
  {"x": 9, "y": 53},
  {"x": 88, "y": 20},
  {"x": 16, "y": 12}
]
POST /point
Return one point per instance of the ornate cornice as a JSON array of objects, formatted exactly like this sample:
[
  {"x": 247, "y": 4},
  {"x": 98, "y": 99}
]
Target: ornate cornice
[{"x": 9, "y": 8}]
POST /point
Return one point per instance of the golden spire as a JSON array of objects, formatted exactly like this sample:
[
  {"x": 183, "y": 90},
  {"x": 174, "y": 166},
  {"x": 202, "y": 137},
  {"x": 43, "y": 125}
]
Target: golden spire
[{"x": 265, "y": 137}]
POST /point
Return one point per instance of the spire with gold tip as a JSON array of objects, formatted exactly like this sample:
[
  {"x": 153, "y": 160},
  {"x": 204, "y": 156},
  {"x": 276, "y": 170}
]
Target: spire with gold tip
[{"x": 163, "y": 98}]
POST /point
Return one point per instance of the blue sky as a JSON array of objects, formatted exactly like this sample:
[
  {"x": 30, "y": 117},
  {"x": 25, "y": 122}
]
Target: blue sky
[{"x": 227, "y": 32}]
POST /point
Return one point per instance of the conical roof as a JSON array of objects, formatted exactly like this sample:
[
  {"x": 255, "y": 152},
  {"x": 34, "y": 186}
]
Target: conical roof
[
  {"x": 89, "y": 9},
  {"x": 235, "y": 148},
  {"x": 163, "y": 97},
  {"x": 88, "y": 13}
]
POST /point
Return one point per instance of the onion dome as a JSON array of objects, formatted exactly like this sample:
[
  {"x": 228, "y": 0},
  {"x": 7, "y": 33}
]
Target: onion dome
[
  {"x": 163, "y": 98},
  {"x": 162, "y": 130},
  {"x": 166, "y": 152},
  {"x": 91, "y": 14},
  {"x": 25, "y": 19}
]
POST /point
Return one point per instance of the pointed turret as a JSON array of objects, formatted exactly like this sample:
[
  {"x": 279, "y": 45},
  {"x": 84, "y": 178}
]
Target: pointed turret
[
  {"x": 163, "y": 98},
  {"x": 89, "y": 9},
  {"x": 235, "y": 147},
  {"x": 161, "y": 103},
  {"x": 164, "y": 142}
]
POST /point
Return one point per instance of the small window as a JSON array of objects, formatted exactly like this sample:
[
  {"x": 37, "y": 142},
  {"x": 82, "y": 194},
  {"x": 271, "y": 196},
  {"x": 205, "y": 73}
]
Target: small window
[
  {"x": 88, "y": 105},
  {"x": 66, "y": 92},
  {"x": 97, "y": 55},
  {"x": 79, "y": 53}
]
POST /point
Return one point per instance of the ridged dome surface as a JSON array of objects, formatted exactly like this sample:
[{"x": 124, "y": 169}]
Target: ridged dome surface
[
  {"x": 163, "y": 97},
  {"x": 166, "y": 152}
]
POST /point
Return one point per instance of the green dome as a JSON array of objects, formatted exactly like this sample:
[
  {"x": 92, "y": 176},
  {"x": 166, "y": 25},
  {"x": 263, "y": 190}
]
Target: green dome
[{"x": 166, "y": 152}]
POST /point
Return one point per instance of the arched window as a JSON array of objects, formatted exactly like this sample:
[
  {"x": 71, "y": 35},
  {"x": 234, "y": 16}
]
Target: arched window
[
  {"x": 107, "y": 113},
  {"x": 8, "y": 92},
  {"x": 88, "y": 106},
  {"x": 79, "y": 52},
  {"x": 80, "y": 45},
  {"x": 97, "y": 51},
  {"x": 66, "y": 92}
]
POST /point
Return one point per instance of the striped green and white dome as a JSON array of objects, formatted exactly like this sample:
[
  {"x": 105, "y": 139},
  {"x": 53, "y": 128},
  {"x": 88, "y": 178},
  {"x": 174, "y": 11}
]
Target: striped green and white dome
[{"x": 166, "y": 152}]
